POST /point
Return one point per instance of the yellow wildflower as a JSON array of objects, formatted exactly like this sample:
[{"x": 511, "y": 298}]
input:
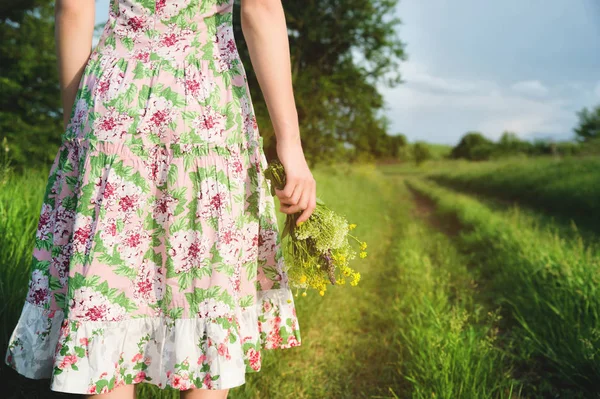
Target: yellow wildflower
[
  {"x": 356, "y": 279},
  {"x": 304, "y": 293},
  {"x": 363, "y": 246},
  {"x": 303, "y": 279},
  {"x": 321, "y": 292},
  {"x": 363, "y": 254},
  {"x": 351, "y": 226},
  {"x": 289, "y": 301}
]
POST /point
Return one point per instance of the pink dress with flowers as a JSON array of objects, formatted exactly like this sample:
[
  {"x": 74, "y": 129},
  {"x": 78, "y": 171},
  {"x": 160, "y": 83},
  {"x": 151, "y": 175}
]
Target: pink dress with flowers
[{"x": 157, "y": 256}]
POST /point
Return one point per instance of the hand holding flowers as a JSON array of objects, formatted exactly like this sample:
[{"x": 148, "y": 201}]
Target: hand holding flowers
[
  {"x": 317, "y": 249},
  {"x": 299, "y": 192}
]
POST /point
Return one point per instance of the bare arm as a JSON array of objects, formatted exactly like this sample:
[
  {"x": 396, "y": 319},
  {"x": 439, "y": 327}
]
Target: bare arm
[
  {"x": 265, "y": 31},
  {"x": 73, "y": 34}
]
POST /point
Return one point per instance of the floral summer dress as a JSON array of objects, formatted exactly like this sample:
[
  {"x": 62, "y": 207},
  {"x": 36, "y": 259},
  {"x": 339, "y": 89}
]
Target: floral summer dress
[{"x": 157, "y": 256}]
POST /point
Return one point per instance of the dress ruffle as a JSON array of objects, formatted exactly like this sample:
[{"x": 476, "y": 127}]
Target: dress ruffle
[{"x": 211, "y": 352}]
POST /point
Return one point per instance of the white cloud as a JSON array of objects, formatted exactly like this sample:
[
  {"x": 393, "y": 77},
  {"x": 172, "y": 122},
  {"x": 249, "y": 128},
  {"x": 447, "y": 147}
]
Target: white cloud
[
  {"x": 530, "y": 87},
  {"x": 417, "y": 76},
  {"x": 597, "y": 90},
  {"x": 439, "y": 109}
]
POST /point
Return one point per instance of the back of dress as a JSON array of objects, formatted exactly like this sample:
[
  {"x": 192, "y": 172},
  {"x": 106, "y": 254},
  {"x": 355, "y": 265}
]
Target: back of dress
[
  {"x": 157, "y": 255},
  {"x": 174, "y": 58},
  {"x": 173, "y": 28},
  {"x": 170, "y": 30}
]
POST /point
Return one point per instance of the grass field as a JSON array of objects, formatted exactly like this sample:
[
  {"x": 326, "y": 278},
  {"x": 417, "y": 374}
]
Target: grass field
[
  {"x": 567, "y": 188},
  {"x": 457, "y": 299}
]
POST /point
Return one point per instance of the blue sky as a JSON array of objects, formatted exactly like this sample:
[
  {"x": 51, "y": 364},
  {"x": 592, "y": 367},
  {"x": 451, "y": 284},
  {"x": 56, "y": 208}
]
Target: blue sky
[
  {"x": 521, "y": 65},
  {"x": 524, "y": 66}
]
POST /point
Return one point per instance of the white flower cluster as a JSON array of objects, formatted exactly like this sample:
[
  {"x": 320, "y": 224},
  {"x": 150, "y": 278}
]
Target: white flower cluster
[
  {"x": 213, "y": 308},
  {"x": 325, "y": 228},
  {"x": 87, "y": 304}
]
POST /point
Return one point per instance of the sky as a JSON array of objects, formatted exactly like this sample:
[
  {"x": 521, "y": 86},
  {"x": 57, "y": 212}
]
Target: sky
[{"x": 526, "y": 66}]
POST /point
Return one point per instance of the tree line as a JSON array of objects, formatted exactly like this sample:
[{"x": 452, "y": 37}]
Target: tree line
[{"x": 475, "y": 146}]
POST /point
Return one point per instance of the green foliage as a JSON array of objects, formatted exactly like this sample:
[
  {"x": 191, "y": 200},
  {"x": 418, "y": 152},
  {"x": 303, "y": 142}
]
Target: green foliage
[
  {"x": 451, "y": 346},
  {"x": 384, "y": 146},
  {"x": 510, "y": 144},
  {"x": 473, "y": 146},
  {"x": 589, "y": 147},
  {"x": 547, "y": 286},
  {"x": 565, "y": 187},
  {"x": 340, "y": 51},
  {"x": 476, "y": 147},
  {"x": 588, "y": 127},
  {"x": 421, "y": 152},
  {"x": 30, "y": 108},
  {"x": 439, "y": 151}
]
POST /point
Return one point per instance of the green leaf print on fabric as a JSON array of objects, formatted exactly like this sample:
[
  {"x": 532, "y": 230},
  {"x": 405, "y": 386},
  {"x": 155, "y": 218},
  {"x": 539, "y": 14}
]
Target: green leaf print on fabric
[
  {"x": 246, "y": 301},
  {"x": 221, "y": 300}
]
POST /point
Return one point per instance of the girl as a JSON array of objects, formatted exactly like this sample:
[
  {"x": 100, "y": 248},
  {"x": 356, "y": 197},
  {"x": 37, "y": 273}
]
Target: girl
[{"x": 157, "y": 257}]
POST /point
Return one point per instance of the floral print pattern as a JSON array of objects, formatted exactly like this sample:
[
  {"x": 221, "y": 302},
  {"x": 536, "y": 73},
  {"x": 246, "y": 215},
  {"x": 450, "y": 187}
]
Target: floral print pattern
[{"x": 157, "y": 255}]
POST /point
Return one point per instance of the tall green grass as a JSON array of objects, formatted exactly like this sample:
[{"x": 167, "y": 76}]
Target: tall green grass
[
  {"x": 549, "y": 286},
  {"x": 346, "y": 334},
  {"x": 565, "y": 187},
  {"x": 449, "y": 339},
  {"x": 20, "y": 203}
]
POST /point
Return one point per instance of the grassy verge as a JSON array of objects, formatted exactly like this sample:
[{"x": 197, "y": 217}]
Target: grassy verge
[
  {"x": 549, "y": 286},
  {"x": 566, "y": 188},
  {"x": 20, "y": 203},
  {"x": 449, "y": 339}
]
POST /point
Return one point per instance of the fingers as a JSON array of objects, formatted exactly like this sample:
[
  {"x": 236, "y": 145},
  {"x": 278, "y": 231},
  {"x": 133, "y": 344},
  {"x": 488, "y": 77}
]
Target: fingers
[
  {"x": 310, "y": 206},
  {"x": 302, "y": 198},
  {"x": 303, "y": 202},
  {"x": 285, "y": 194},
  {"x": 290, "y": 195}
]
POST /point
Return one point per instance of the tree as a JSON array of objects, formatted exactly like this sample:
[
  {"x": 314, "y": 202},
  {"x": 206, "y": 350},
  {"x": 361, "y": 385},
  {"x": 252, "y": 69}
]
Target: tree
[
  {"x": 30, "y": 107},
  {"x": 421, "y": 152},
  {"x": 473, "y": 146},
  {"x": 588, "y": 128},
  {"x": 510, "y": 144},
  {"x": 340, "y": 53},
  {"x": 395, "y": 145}
]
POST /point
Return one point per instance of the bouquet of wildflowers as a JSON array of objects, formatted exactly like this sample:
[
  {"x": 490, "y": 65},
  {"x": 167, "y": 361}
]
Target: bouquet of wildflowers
[{"x": 317, "y": 251}]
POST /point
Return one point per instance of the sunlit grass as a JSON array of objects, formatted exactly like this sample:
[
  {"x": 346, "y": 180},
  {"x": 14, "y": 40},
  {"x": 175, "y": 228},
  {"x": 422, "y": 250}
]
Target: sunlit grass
[
  {"x": 563, "y": 187},
  {"x": 450, "y": 340},
  {"x": 20, "y": 202},
  {"x": 548, "y": 285}
]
